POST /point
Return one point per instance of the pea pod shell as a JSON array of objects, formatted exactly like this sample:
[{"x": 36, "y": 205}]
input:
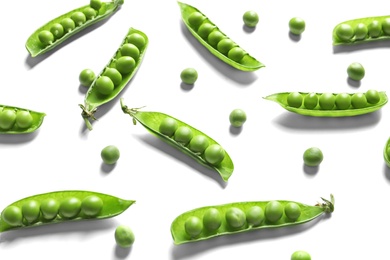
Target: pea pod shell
[
  {"x": 112, "y": 206},
  {"x": 281, "y": 99},
  {"x": 37, "y": 122},
  {"x": 248, "y": 63},
  {"x": 35, "y": 47},
  {"x": 386, "y": 155}
]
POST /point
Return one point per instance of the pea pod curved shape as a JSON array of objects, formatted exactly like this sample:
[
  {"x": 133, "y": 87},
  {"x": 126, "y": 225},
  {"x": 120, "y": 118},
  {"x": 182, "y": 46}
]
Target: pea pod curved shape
[
  {"x": 308, "y": 213},
  {"x": 37, "y": 120},
  {"x": 247, "y": 63},
  {"x": 93, "y": 99},
  {"x": 34, "y": 45},
  {"x": 112, "y": 206},
  {"x": 281, "y": 99},
  {"x": 386, "y": 153},
  {"x": 151, "y": 121}
]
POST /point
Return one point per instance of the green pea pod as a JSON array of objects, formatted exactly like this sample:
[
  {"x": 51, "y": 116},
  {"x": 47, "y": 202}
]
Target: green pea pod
[
  {"x": 386, "y": 153},
  {"x": 232, "y": 218},
  {"x": 152, "y": 120},
  {"x": 16, "y": 120},
  {"x": 229, "y": 53},
  {"x": 94, "y": 96},
  {"x": 36, "y": 47},
  {"x": 330, "y": 107},
  {"x": 61, "y": 206}
]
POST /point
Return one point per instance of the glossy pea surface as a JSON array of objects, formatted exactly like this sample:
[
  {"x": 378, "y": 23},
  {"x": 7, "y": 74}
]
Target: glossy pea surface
[
  {"x": 273, "y": 211},
  {"x": 86, "y": 77},
  {"x": 91, "y": 205},
  {"x": 70, "y": 207},
  {"x": 250, "y": 18},
  {"x": 313, "y": 156},
  {"x": 237, "y": 117},
  {"x": 189, "y": 76},
  {"x": 124, "y": 236},
  {"x": 297, "y": 25},
  {"x": 16, "y": 120},
  {"x": 110, "y": 154},
  {"x": 356, "y": 71},
  {"x": 183, "y": 134},
  {"x": 212, "y": 219},
  {"x": 300, "y": 255},
  {"x": 31, "y": 210},
  {"x": 23, "y": 119}
]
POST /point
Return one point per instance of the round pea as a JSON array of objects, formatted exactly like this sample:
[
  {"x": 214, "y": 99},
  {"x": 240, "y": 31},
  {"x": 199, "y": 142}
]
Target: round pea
[
  {"x": 110, "y": 154},
  {"x": 300, "y": 255},
  {"x": 70, "y": 207},
  {"x": 124, "y": 236},
  {"x": 125, "y": 64},
  {"x": 225, "y": 45},
  {"x": 57, "y": 30},
  {"x": 104, "y": 85},
  {"x": 250, "y": 18},
  {"x": 205, "y": 29},
  {"x": 375, "y": 29},
  {"x": 46, "y": 37},
  {"x": 89, "y": 13},
  {"x": 273, "y": 211},
  {"x": 235, "y": 217},
  {"x": 386, "y": 26},
  {"x": 129, "y": 49},
  {"x": 183, "y": 134},
  {"x": 359, "y": 100},
  {"x": 193, "y": 226},
  {"x": 95, "y": 4},
  {"x": 168, "y": 126},
  {"x": 91, "y": 206},
  {"x": 7, "y": 119},
  {"x": 198, "y": 144},
  {"x": 50, "y": 208},
  {"x": 114, "y": 75},
  {"x": 68, "y": 24},
  {"x": 12, "y": 215},
  {"x": 292, "y": 211},
  {"x": 189, "y": 76},
  {"x": 196, "y": 19},
  {"x": 78, "y": 18},
  {"x": 343, "y": 101},
  {"x": 136, "y": 39},
  {"x": 237, "y": 117},
  {"x": 294, "y": 99},
  {"x": 255, "y": 215},
  {"x": 313, "y": 156},
  {"x": 215, "y": 37},
  {"x": 236, "y": 54},
  {"x": 297, "y": 25},
  {"x": 310, "y": 101},
  {"x": 327, "y": 101},
  {"x": 86, "y": 77},
  {"x": 212, "y": 219},
  {"x": 214, "y": 154},
  {"x": 361, "y": 31},
  {"x": 344, "y": 32},
  {"x": 372, "y": 96},
  {"x": 31, "y": 210},
  {"x": 23, "y": 119},
  {"x": 356, "y": 71}
]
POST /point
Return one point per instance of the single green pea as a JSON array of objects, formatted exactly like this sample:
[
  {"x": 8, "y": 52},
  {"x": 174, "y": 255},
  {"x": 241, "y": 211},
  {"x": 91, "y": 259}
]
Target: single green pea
[
  {"x": 70, "y": 207},
  {"x": 104, "y": 85},
  {"x": 183, "y": 135},
  {"x": 225, "y": 45},
  {"x": 297, "y": 25},
  {"x": 300, "y": 255},
  {"x": 129, "y": 49},
  {"x": 193, "y": 226},
  {"x": 294, "y": 99},
  {"x": 125, "y": 64},
  {"x": 237, "y": 117},
  {"x": 214, "y": 154},
  {"x": 345, "y": 32},
  {"x": 356, "y": 71},
  {"x": 215, "y": 37},
  {"x": 57, "y": 30},
  {"x": 250, "y": 18},
  {"x": 50, "y": 208},
  {"x": 86, "y": 77},
  {"x": 212, "y": 219},
  {"x": 46, "y": 37},
  {"x": 68, "y": 24},
  {"x": 95, "y": 4},
  {"x": 168, "y": 126},
  {"x": 386, "y": 26},
  {"x": 235, "y": 217},
  {"x": 310, "y": 101},
  {"x": 114, "y": 75},
  {"x": 236, "y": 54},
  {"x": 255, "y": 215},
  {"x": 7, "y": 119},
  {"x": 78, "y": 18},
  {"x": 361, "y": 31},
  {"x": 189, "y": 76},
  {"x": 343, "y": 101},
  {"x": 89, "y": 13},
  {"x": 12, "y": 215},
  {"x": 312, "y": 156},
  {"x": 205, "y": 29},
  {"x": 375, "y": 29},
  {"x": 124, "y": 236},
  {"x": 292, "y": 211},
  {"x": 23, "y": 119},
  {"x": 372, "y": 96},
  {"x": 359, "y": 100},
  {"x": 31, "y": 210},
  {"x": 136, "y": 39},
  {"x": 91, "y": 206},
  {"x": 198, "y": 144},
  {"x": 273, "y": 211},
  {"x": 110, "y": 154},
  {"x": 196, "y": 19},
  {"x": 327, "y": 101}
]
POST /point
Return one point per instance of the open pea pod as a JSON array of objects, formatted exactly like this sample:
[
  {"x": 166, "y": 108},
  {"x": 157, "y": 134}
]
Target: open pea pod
[
  {"x": 386, "y": 153},
  {"x": 220, "y": 45},
  {"x": 16, "y": 120},
  {"x": 116, "y": 74},
  {"x": 59, "y": 29},
  {"x": 213, "y": 221},
  {"x": 330, "y": 104},
  {"x": 197, "y": 145},
  {"x": 61, "y": 206}
]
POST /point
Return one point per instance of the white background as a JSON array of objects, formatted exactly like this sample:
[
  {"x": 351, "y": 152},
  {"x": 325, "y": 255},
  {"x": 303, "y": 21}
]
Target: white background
[{"x": 267, "y": 151}]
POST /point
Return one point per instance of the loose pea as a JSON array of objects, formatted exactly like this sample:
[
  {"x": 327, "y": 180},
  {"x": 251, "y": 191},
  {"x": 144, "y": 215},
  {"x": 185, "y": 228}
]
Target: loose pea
[
  {"x": 104, "y": 85},
  {"x": 250, "y": 18},
  {"x": 91, "y": 206},
  {"x": 235, "y": 217},
  {"x": 310, "y": 101},
  {"x": 57, "y": 30},
  {"x": 374, "y": 29},
  {"x": 189, "y": 76},
  {"x": 344, "y": 32},
  {"x": 136, "y": 39},
  {"x": 183, "y": 135},
  {"x": 343, "y": 101},
  {"x": 386, "y": 26},
  {"x": 168, "y": 126},
  {"x": 125, "y": 64},
  {"x": 7, "y": 119},
  {"x": 193, "y": 226},
  {"x": 95, "y": 4},
  {"x": 196, "y": 19},
  {"x": 237, "y": 117},
  {"x": 78, "y": 18},
  {"x": 86, "y": 77},
  {"x": 205, "y": 29},
  {"x": 372, "y": 96},
  {"x": 23, "y": 119},
  {"x": 361, "y": 31},
  {"x": 212, "y": 219},
  {"x": 50, "y": 208},
  {"x": 294, "y": 99},
  {"x": 313, "y": 156},
  {"x": 292, "y": 211},
  {"x": 327, "y": 101},
  {"x": 214, "y": 154},
  {"x": 70, "y": 207},
  {"x": 68, "y": 24},
  {"x": 114, "y": 75},
  {"x": 356, "y": 71},
  {"x": 12, "y": 215},
  {"x": 236, "y": 54},
  {"x": 89, "y": 13},
  {"x": 198, "y": 144},
  {"x": 255, "y": 215},
  {"x": 215, "y": 37},
  {"x": 225, "y": 45},
  {"x": 297, "y": 25},
  {"x": 31, "y": 210},
  {"x": 124, "y": 236},
  {"x": 129, "y": 49},
  {"x": 46, "y": 37},
  {"x": 273, "y": 211},
  {"x": 300, "y": 255},
  {"x": 110, "y": 154},
  {"x": 359, "y": 100}
]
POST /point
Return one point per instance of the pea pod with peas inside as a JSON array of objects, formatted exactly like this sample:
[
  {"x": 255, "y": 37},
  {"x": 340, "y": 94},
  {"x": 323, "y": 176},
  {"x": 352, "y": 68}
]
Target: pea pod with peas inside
[
  {"x": 61, "y": 206},
  {"x": 116, "y": 74},
  {"x": 56, "y": 31},
  {"x": 212, "y": 221},
  {"x": 186, "y": 138},
  {"x": 330, "y": 104},
  {"x": 16, "y": 120},
  {"x": 220, "y": 45}
]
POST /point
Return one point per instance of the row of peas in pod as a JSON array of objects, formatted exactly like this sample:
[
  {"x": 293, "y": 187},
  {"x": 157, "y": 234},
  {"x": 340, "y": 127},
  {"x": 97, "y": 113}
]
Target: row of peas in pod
[{"x": 11, "y": 118}]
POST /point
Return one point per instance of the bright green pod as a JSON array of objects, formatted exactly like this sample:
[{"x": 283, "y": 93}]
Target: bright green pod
[
  {"x": 386, "y": 153},
  {"x": 94, "y": 205},
  {"x": 35, "y": 47},
  {"x": 335, "y": 111},
  {"x": 194, "y": 19},
  {"x": 25, "y": 120},
  {"x": 94, "y": 98},
  {"x": 235, "y": 222},
  {"x": 152, "y": 121}
]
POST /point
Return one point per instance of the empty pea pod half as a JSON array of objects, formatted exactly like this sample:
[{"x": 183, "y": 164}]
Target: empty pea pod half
[
  {"x": 116, "y": 74},
  {"x": 330, "y": 104},
  {"x": 212, "y": 221},
  {"x": 61, "y": 206},
  {"x": 61, "y": 28},
  {"x": 16, "y": 120},
  {"x": 186, "y": 138},
  {"x": 220, "y": 45}
]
